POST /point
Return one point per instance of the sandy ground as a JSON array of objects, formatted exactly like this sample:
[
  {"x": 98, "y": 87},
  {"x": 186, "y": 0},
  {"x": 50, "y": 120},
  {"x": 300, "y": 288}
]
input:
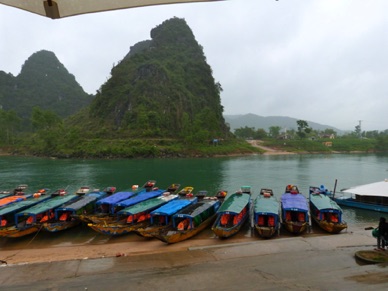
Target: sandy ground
[
  {"x": 314, "y": 261},
  {"x": 267, "y": 150}
]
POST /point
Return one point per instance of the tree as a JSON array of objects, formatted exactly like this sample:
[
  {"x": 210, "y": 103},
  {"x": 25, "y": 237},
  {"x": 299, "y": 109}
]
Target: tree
[
  {"x": 9, "y": 124},
  {"x": 303, "y": 128},
  {"x": 357, "y": 130},
  {"x": 274, "y": 131},
  {"x": 245, "y": 132},
  {"x": 260, "y": 134},
  {"x": 44, "y": 119}
]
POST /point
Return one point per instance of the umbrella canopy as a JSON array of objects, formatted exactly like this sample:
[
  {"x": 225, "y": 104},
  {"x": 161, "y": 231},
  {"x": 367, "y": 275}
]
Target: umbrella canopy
[
  {"x": 63, "y": 8},
  {"x": 373, "y": 189}
]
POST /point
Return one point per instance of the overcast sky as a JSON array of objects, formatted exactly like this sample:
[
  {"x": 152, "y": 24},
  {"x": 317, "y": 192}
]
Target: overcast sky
[{"x": 324, "y": 61}]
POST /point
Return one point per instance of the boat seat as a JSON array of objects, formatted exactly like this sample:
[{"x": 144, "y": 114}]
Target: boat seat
[
  {"x": 260, "y": 220},
  {"x": 224, "y": 219},
  {"x": 271, "y": 221}
]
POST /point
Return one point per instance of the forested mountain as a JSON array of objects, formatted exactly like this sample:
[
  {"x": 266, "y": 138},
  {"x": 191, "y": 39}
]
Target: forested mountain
[
  {"x": 162, "y": 87},
  {"x": 43, "y": 82},
  {"x": 265, "y": 122}
]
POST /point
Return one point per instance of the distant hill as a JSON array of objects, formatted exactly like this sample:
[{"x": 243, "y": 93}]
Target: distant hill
[
  {"x": 257, "y": 121},
  {"x": 44, "y": 82}
]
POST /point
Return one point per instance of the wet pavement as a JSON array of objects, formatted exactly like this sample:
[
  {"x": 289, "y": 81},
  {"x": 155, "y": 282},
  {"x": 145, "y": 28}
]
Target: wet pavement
[{"x": 292, "y": 263}]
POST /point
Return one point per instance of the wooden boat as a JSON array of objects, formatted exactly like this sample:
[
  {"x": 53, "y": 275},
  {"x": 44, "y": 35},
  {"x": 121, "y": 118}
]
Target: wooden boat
[
  {"x": 85, "y": 204},
  {"x": 186, "y": 191},
  {"x": 325, "y": 211},
  {"x": 294, "y": 210},
  {"x": 161, "y": 218},
  {"x": 7, "y": 214},
  {"x": 137, "y": 199},
  {"x": 221, "y": 194},
  {"x": 266, "y": 214},
  {"x": 106, "y": 207},
  {"x": 233, "y": 213},
  {"x": 31, "y": 219},
  {"x": 12, "y": 199},
  {"x": 190, "y": 221},
  {"x": 18, "y": 190},
  {"x": 83, "y": 190},
  {"x": 373, "y": 196},
  {"x": 133, "y": 217}
]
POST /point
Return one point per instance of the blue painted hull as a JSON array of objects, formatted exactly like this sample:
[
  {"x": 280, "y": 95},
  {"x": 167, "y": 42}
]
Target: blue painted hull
[{"x": 349, "y": 202}]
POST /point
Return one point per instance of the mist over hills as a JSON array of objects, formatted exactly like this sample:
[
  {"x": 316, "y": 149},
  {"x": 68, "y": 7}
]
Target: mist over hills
[{"x": 265, "y": 122}]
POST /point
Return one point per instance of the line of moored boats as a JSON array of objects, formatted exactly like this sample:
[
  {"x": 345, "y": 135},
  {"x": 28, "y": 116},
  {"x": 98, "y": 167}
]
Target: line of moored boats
[{"x": 170, "y": 215}]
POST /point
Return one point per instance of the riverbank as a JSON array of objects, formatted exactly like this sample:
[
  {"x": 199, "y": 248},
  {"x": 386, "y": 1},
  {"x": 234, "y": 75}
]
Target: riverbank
[{"x": 131, "y": 245}]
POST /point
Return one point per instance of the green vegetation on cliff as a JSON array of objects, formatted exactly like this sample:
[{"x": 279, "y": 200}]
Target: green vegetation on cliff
[{"x": 162, "y": 88}]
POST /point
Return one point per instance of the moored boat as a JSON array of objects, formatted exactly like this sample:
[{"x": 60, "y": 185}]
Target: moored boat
[
  {"x": 266, "y": 214},
  {"x": 105, "y": 208},
  {"x": 65, "y": 215},
  {"x": 133, "y": 217},
  {"x": 325, "y": 211},
  {"x": 190, "y": 221},
  {"x": 7, "y": 214},
  {"x": 188, "y": 190},
  {"x": 233, "y": 213},
  {"x": 373, "y": 196},
  {"x": 12, "y": 199},
  {"x": 294, "y": 210},
  {"x": 161, "y": 218},
  {"x": 31, "y": 219},
  {"x": 19, "y": 190}
]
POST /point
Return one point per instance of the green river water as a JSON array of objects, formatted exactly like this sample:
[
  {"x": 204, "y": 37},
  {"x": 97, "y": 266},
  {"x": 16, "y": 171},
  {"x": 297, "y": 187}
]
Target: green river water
[{"x": 211, "y": 174}]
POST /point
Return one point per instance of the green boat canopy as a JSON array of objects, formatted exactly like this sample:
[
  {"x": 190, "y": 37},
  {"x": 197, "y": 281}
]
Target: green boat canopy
[
  {"x": 322, "y": 201},
  {"x": 47, "y": 205},
  {"x": 235, "y": 203},
  {"x": 23, "y": 204},
  {"x": 266, "y": 205}
]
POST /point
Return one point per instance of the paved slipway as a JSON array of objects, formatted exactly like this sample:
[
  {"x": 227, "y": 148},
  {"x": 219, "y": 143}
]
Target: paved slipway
[{"x": 307, "y": 262}]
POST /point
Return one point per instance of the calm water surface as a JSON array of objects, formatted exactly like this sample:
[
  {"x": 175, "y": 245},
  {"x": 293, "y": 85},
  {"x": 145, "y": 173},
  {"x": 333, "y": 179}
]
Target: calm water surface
[{"x": 211, "y": 174}]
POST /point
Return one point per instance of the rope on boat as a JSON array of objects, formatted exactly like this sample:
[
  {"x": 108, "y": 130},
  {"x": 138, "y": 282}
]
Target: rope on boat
[{"x": 10, "y": 256}]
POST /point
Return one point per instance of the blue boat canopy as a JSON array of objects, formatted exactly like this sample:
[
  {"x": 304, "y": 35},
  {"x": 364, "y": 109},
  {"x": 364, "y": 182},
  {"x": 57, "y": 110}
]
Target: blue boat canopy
[
  {"x": 173, "y": 206},
  {"x": 119, "y": 196},
  {"x": 139, "y": 198},
  {"x": 294, "y": 202}
]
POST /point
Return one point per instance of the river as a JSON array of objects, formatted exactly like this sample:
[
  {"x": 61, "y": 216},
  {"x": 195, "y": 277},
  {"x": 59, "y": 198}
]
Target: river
[{"x": 211, "y": 174}]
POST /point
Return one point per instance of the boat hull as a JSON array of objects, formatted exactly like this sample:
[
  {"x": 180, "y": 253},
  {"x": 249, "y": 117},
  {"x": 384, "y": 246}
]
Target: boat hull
[
  {"x": 266, "y": 231},
  {"x": 95, "y": 218},
  {"x": 60, "y": 225},
  {"x": 115, "y": 229},
  {"x": 14, "y": 232},
  {"x": 330, "y": 227},
  {"x": 349, "y": 202},
  {"x": 171, "y": 236},
  {"x": 225, "y": 232},
  {"x": 295, "y": 227},
  {"x": 151, "y": 231}
]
